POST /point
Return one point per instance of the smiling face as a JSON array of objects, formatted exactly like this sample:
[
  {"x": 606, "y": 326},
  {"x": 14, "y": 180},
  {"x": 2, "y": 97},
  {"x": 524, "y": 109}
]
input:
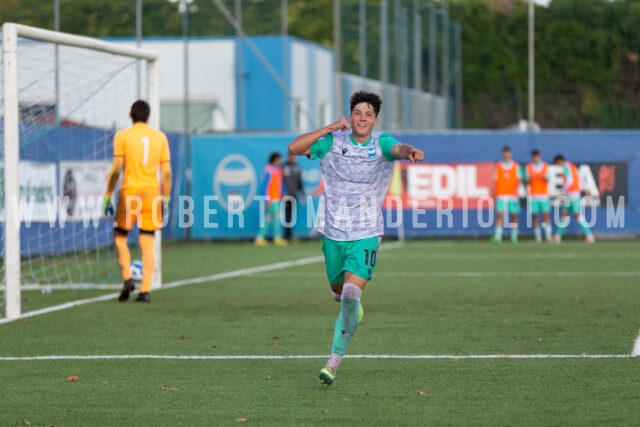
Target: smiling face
[{"x": 363, "y": 119}]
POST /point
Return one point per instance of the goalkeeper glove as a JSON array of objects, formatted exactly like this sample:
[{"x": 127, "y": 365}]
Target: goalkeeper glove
[
  {"x": 107, "y": 207},
  {"x": 166, "y": 201}
]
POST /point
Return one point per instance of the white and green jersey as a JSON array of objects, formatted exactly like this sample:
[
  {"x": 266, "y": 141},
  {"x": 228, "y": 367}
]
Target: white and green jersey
[{"x": 356, "y": 178}]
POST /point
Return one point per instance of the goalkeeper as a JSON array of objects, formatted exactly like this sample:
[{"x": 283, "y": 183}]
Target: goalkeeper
[{"x": 138, "y": 151}]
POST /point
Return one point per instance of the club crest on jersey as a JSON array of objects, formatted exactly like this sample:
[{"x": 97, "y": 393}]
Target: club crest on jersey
[{"x": 371, "y": 153}]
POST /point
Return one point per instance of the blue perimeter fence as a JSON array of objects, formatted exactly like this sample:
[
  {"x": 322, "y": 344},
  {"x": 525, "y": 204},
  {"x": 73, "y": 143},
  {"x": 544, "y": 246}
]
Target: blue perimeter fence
[{"x": 231, "y": 164}]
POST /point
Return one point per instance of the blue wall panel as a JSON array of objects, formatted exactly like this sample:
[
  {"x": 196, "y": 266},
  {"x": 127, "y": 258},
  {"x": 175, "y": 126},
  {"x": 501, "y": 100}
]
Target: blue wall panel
[
  {"x": 260, "y": 88},
  {"x": 209, "y": 151},
  {"x": 232, "y": 164}
]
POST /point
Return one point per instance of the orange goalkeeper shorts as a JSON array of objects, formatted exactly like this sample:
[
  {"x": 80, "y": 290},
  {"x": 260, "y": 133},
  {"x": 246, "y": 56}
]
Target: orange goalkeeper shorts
[{"x": 141, "y": 206}]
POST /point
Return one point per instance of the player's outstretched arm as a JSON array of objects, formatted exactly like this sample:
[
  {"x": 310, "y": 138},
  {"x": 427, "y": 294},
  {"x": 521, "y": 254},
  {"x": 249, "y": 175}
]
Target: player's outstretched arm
[
  {"x": 302, "y": 144},
  {"x": 407, "y": 152}
]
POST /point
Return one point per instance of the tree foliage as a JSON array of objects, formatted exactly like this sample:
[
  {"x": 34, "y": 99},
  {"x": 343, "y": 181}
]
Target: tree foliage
[{"x": 587, "y": 51}]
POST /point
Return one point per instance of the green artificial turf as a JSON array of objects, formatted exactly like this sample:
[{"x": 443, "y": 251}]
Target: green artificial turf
[{"x": 428, "y": 298}]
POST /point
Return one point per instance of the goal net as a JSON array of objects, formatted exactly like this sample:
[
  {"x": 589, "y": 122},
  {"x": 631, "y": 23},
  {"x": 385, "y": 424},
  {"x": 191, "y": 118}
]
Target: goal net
[{"x": 63, "y": 97}]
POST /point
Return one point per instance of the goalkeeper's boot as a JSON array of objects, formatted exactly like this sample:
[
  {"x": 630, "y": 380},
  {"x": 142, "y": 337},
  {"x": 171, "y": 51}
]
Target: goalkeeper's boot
[
  {"x": 327, "y": 375},
  {"x": 128, "y": 287},
  {"x": 143, "y": 297},
  {"x": 360, "y": 312},
  {"x": 260, "y": 241},
  {"x": 495, "y": 239}
]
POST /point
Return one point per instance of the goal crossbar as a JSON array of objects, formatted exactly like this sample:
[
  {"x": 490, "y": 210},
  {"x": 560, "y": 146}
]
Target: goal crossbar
[
  {"x": 10, "y": 34},
  {"x": 41, "y": 34}
]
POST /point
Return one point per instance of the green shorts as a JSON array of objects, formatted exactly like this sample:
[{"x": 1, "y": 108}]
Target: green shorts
[
  {"x": 540, "y": 205},
  {"x": 512, "y": 204},
  {"x": 273, "y": 210},
  {"x": 357, "y": 257},
  {"x": 570, "y": 205}
]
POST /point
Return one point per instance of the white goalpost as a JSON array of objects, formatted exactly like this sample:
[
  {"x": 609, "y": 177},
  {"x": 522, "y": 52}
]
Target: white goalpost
[{"x": 63, "y": 97}]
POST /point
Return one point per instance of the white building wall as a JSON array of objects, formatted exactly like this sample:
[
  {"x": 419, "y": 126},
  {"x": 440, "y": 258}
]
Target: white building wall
[{"x": 211, "y": 75}]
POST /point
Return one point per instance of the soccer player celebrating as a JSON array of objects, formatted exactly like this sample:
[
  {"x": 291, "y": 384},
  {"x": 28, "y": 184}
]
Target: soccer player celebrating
[
  {"x": 507, "y": 178},
  {"x": 140, "y": 150},
  {"x": 356, "y": 167},
  {"x": 572, "y": 189},
  {"x": 537, "y": 175}
]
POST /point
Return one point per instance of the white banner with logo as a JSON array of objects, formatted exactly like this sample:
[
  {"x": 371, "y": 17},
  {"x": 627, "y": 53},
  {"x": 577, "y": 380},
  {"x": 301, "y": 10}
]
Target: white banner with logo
[
  {"x": 82, "y": 185},
  {"x": 38, "y": 189}
]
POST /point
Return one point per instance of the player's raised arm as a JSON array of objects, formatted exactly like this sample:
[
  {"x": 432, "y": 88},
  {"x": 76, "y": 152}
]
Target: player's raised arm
[
  {"x": 302, "y": 144},
  {"x": 407, "y": 152}
]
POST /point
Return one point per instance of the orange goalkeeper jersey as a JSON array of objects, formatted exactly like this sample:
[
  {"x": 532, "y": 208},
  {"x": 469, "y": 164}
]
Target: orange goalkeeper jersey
[{"x": 143, "y": 149}]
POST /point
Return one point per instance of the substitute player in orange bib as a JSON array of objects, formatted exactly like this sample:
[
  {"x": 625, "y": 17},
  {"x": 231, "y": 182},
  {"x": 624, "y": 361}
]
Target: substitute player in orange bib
[
  {"x": 138, "y": 152},
  {"x": 537, "y": 175},
  {"x": 508, "y": 176},
  {"x": 572, "y": 192}
]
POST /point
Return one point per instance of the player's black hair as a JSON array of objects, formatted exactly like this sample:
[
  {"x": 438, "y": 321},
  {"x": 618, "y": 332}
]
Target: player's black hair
[
  {"x": 367, "y": 97},
  {"x": 140, "y": 111},
  {"x": 535, "y": 152},
  {"x": 558, "y": 157},
  {"x": 273, "y": 157},
  {"x": 505, "y": 148}
]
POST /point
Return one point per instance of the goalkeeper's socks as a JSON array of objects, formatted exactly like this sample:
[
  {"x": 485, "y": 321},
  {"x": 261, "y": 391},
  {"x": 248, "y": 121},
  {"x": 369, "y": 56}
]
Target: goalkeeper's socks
[
  {"x": 123, "y": 254},
  {"x": 148, "y": 261},
  {"x": 347, "y": 321}
]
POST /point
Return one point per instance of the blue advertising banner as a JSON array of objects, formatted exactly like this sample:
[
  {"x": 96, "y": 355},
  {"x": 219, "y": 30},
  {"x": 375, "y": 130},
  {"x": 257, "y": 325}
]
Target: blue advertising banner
[
  {"x": 228, "y": 168},
  {"x": 226, "y": 183}
]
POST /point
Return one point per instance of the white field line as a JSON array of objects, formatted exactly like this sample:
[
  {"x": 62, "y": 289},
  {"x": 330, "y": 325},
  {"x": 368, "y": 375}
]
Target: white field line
[
  {"x": 68, "y": 287},
  {"x": 316, "y": 356},
  {"x": 472, "y": 274},
  {"x": 536, "y": 255},
  {"x": 636, "y": 347},
  {"x": 192, "y": 281},
  {"x": 268, "y": 274}
]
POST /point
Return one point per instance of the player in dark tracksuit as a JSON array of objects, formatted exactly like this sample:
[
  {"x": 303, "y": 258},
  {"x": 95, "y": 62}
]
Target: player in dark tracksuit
[{"x": 292, "y": 177}]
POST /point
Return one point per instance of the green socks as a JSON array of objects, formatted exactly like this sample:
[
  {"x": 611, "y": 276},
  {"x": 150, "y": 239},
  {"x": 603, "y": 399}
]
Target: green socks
[
  {"x": 565, "y": 222},
  {"x": 498, "y": 233},
  {"x": 537, "y": 231},
  {"x": 347, "y": 321},
  {"x": 584, "y": 226}
]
